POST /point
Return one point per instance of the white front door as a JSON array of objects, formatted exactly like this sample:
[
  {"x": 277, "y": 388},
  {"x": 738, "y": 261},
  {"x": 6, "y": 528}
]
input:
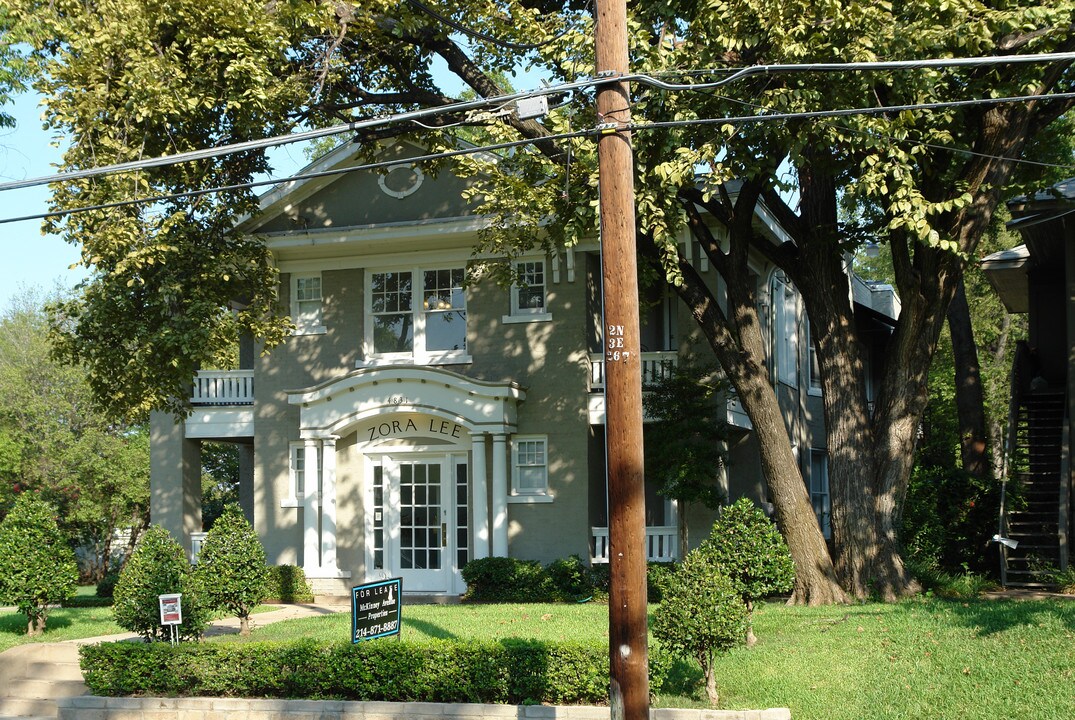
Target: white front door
[{"x": 419, "y": 528}]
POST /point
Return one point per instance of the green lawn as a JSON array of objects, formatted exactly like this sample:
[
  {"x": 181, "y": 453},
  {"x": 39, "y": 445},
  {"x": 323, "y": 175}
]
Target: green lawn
[
  {"x": 926, "y": 658},
  {"x": 63, "y": 624},
  {"x": 920, "y": 659}
]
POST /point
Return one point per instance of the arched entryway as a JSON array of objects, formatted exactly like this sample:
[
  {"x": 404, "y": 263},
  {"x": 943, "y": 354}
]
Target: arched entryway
[{"x": 433, "y": 495}]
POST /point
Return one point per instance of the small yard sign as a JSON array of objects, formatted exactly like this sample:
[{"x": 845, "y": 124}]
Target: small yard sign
[
  {"x": 171, "y": 606},
  {"x": 375, "y": 609}
]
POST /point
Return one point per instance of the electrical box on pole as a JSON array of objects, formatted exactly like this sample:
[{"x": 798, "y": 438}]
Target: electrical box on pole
[{"x": 629, "y": 690}]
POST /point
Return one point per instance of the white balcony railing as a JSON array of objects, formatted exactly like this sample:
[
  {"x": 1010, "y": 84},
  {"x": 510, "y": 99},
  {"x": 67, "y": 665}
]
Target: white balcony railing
[
  {"x": 223, "y": 387},
  {"x": 656, "y": 366},
  {"x": 662, "y": 544}
]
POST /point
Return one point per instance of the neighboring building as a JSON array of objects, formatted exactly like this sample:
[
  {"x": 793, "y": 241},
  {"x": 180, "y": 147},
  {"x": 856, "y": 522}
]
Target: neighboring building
[
  {"x": 1038, "y": 278},
  {"x": 411, "y": 423}
]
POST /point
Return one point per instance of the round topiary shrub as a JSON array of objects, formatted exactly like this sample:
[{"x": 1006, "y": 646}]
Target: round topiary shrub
[
  {"x": 701, "y": 617},
  {"x": 504, "y": 579},
  {"x": 231, "y": 567},
  {"x": 572, "y": 578},
  {"x": 158, "y": 566},
  {"x": 749, "y": 549},
  {"x": 37, "y": 566}
]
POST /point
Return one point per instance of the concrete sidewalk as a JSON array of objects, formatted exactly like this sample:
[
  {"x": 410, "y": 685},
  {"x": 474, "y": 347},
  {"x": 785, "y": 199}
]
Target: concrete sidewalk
[
  {"x": 34, "y": 676},
  {"x": 230, "y": 625}
]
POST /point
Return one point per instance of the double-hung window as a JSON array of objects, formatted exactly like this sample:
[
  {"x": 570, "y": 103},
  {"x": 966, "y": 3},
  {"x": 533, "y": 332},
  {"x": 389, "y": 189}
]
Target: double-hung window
[
  {"x": 530, "y": 466},
  {"x": 416, "y": 315},
  {"x": 815, "y": 368},
  {"x": 528, "y": 297},
  {"x": 819, "y": 490},
  {"x": 785, "y": 328},
  {"x": 306, "y": 304},
  {"x": 297, "y": 474}
]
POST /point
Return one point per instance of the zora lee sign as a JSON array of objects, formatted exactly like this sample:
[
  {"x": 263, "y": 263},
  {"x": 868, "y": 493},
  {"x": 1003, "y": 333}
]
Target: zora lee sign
[{"x": 375, "y": 609}]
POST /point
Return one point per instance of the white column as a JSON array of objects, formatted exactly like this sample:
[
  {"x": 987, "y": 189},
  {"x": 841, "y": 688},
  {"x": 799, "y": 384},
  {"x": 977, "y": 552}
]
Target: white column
[
  {"x": 500, "y": 496},
  {"x": 311, "y": 555},
  {"x": 479, "y": 496},
  {"x": 328, "y": 504}
]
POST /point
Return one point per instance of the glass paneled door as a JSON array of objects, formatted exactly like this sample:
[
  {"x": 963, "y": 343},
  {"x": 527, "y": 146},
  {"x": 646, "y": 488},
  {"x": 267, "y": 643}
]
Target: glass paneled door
[{"x": 417, "y": 497}]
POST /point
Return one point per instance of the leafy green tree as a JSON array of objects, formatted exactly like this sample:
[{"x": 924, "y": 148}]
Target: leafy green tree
[
  {"x": 14, "y": 71},
  {"x": 683, "y": 444},
  {"x": 158, "y": 566},
  {"x": 55, "y": 440},
  {"x": 37, "y": 566},
  {"x": 231, "y": 567},
  {"x": 701, "y": 617},
  {"x": 748, "y": 548}
]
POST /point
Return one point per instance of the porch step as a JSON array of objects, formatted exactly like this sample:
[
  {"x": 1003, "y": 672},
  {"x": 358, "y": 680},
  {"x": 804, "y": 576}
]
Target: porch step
[{"x": 34, "y": 676}]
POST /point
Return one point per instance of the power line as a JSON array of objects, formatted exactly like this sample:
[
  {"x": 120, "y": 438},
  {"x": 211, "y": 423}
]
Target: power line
[
  {"x": 296, "y": 178},
  {"x": 745, "y": 119},
  {"x": 644, "y": 79}
]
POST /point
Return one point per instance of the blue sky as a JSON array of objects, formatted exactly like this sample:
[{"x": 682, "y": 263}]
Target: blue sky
[{"x": 31, "y": 260}]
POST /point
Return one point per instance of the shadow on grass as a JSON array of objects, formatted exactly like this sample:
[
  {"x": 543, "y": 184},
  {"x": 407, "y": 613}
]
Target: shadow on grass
[
  {"x": 432, "y": 630},
  {"x": 992, "y": 616}
]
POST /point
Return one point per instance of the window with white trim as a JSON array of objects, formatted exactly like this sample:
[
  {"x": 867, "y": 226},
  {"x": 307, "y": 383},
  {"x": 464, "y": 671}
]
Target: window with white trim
[
  {"x": 528, "y": 297},
  {"x": 814, "y": 368},
  {"x": 297, "y": 474},
  {"x": 785, "y": 324},
  {"x": 417, "y": 315},
  {"x": 306, "y": 302},
  {"x": 530, "y": 467},
  {"x": 819, "y": 490}
]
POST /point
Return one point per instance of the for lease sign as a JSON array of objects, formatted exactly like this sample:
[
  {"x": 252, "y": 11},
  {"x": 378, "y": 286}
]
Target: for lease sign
[{"x": 375, "y": 609}]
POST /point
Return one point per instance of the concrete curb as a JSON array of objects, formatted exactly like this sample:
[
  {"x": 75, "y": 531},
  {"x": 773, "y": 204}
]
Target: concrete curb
[{"x": 90, "y": 707}]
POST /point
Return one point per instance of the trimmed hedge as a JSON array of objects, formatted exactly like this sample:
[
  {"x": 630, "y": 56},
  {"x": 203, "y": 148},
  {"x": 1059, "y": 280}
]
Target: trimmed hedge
[
  {"x": 288, "y": 584},
  {"x": 513, "y": 672}
]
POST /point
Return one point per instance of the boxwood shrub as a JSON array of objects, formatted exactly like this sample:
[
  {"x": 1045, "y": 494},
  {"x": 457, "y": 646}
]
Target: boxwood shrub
[
  {"x": 288, "y": 584},
  {"x": 508, "y": 672}
]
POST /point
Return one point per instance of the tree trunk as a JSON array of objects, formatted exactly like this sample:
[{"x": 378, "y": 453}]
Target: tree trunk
[
  {"x": 244, "y": 625},
  {"x": 736, "y": 340},
  {"x": 970, "y": 396},
  {"x": 752, "y": 639},
  {"x": 711, "y": 684}
]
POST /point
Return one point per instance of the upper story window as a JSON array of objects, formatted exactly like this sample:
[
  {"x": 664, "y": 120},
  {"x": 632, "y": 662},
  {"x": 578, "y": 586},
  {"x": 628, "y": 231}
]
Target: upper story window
[
  {"x": 530, "y": 466},
  {"x": 416, "y": 315},
  {"x": 815, "y": 368},
  {"x": 785, "y": 328},
  {"x": 528, "y": 296},
  {"x": 306, "y": 304}
]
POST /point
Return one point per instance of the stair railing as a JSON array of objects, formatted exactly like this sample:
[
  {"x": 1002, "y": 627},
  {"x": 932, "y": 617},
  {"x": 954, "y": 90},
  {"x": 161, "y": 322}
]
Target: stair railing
[
  {"x": 1020, "y": 365},
  {"x": 1065, "y": 493}
]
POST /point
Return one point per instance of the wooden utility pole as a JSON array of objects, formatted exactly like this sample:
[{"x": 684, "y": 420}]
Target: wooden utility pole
[{"x": 629, "y": 690}]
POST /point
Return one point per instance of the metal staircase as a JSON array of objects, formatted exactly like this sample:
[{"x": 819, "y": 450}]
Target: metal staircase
[{"x": 1034, "y": 498}]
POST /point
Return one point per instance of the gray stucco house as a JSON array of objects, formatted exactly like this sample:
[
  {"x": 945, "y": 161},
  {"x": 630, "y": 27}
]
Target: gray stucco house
[{"x": 411, "y": 424}]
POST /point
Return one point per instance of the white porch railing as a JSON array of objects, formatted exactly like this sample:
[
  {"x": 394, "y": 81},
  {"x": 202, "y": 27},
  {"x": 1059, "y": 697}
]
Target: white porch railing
[
  {"x": 656, "y": 366},
  {"x": 223, "y": 387},
  {"x": 662, "y": 544}
]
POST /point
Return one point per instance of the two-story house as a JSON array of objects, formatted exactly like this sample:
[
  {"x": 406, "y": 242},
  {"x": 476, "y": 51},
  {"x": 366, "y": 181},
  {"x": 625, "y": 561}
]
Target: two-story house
[{"x": 412, "y": 423}]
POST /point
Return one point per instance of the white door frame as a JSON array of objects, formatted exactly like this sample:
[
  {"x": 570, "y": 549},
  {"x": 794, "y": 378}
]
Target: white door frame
[{"x": 446, "y": 579}]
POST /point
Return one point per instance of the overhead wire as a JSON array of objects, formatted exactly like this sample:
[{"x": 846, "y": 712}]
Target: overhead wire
[
  {"x": 642, "y": 126},
  {"x": 640, "y": 78}
]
